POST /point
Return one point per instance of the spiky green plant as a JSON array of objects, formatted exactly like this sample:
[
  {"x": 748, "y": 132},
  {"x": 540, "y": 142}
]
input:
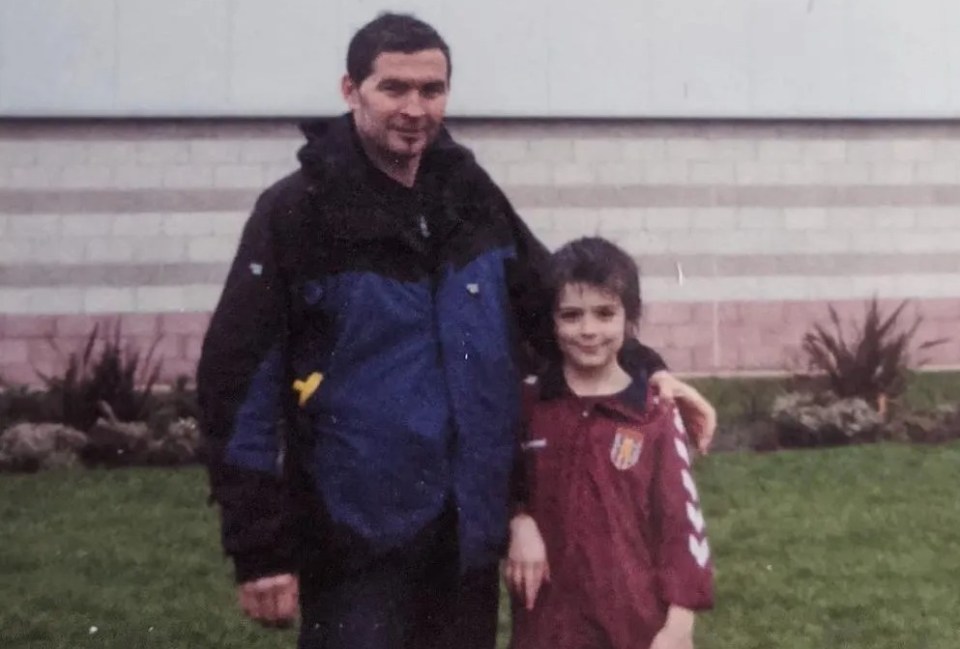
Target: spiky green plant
[
  {"x": 116, "y": 374},
  {"x": 874, "y": 363}
]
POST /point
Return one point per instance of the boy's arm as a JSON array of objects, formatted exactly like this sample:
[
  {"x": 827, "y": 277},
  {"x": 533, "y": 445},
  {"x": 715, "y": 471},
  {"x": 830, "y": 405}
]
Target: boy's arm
[
  {"x": 525, "y": 567},
  {"x": 241, "y": 385},
  {"x": 677, "y": 632},
  {"x": 683, "y": 560}
]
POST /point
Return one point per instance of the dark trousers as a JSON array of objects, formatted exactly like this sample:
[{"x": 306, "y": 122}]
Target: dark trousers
[{"x": 411, "y": 598}]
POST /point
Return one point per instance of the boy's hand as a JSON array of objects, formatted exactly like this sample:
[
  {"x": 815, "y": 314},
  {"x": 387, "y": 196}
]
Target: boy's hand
[
  {"x": 672, "y": 639},
  {"x": 699, "y": 417},
  {"x": 271, "y": 601},
  {"x": 526, "y": 567},
  {"x": 677, "y": 633}
]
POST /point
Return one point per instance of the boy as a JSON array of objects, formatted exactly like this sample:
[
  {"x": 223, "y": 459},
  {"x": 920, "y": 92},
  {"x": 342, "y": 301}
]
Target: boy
[{"x": 610, "y": 551}]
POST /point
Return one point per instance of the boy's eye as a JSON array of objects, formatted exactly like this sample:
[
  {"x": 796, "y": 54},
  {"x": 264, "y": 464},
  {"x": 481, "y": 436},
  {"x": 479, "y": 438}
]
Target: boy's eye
[
  {"x": 569, "y": 316},
  {"x": 606, "y": 314}
]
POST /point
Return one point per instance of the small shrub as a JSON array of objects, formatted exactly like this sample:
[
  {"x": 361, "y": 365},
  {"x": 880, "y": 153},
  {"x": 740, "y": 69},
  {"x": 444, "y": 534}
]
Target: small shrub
[
  {"x": 931, "y": 427},
  {"x": 874, "y": 364},
  {"x": 806, "y": 420},
  {"x": 166, "y": 408},
  {"x": 117, "y": 375},
  {"x": 116, "y": 443},
  {"x": 33, "y": 447},
  {"x": 745, "y": 435},
  {"x": 19, "y": 403},
  {"x": 178, "y": 444}
]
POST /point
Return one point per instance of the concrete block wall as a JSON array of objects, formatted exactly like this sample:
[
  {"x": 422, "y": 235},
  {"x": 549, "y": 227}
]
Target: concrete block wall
[{"x": 744, "y": 231}]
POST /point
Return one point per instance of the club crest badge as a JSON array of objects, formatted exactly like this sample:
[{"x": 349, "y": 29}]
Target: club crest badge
[{"x": 625, "y": 451}]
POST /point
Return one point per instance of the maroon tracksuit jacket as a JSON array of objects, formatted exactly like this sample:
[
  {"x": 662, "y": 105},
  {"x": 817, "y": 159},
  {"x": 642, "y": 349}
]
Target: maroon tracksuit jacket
[{"x": 611, "y": 490}]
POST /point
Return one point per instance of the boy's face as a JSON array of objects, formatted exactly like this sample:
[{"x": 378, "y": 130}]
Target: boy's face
[{"x": 590, "y": 324}]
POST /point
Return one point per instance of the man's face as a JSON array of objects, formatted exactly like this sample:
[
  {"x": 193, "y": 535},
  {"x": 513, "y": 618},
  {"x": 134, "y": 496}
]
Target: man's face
[{"x": 399, "y": 107}]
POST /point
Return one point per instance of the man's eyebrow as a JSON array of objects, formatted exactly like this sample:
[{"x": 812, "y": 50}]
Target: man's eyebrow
[{"x": 413, "y": 82}]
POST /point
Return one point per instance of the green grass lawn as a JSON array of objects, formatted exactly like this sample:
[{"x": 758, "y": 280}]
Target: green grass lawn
[{"x": 847, "y": 548}]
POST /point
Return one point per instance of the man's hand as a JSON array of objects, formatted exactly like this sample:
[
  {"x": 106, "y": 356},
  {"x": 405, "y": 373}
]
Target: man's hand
[
  {"x": 526, "y": 567},
  {"x": 271, "y": 601},
  {"x": 699, "y": 417},
  {"x": 677, "y": 633}
]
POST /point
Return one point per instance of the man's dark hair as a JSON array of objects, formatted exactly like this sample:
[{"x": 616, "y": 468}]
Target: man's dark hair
[
  {"x": 391, "y": 32},
  {"x": 594, "y": 261}
]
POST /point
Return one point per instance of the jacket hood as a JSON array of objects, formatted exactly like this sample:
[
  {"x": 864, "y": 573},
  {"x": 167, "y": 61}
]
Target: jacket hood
[{"x": 333, "y": 149}]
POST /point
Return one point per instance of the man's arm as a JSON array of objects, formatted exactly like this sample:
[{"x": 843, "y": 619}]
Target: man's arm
[
  {"x": 699, "y": 417},
  {"x": 525, "y": 567},
  {"x": 241, "y": 385}
]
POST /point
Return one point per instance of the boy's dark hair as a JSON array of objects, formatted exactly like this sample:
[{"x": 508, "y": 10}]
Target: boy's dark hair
[
  {"x": 597, "y": 262},
  {"x": 390, "y": 32}
]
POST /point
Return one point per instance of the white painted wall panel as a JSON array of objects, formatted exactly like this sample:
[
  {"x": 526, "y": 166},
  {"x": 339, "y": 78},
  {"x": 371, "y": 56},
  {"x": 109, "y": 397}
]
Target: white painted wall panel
[
  {"x": 57, "y": 53},
  {"x": 486, "y": 80},
  {"x": 173, "y": 56},
  {"x": 286, "y": 55},
  {"x": 700, "y": 56},
  {"x": 898, "y": 56},
  {"x": 796, "y": 57},
  {"x": 525, "y": 58}
]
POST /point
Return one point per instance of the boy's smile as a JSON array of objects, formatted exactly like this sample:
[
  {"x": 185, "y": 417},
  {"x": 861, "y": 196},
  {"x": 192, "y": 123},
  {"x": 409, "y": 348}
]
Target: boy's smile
[{"x": 590, "y": 324}]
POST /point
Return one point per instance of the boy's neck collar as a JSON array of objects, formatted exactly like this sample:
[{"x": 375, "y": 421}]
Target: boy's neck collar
[
  {"x": 603, "y": 382},
  {"x": 552, "y": 384}
]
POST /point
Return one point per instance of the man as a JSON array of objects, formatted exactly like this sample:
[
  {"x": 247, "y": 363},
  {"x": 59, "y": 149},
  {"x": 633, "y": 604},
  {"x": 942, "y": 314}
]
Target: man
[{"x": 360, "y": 377}]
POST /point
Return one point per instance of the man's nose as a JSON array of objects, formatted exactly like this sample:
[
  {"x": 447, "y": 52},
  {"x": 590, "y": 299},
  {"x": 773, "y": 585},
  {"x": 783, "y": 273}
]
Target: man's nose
[{"x": 413, "y": 107}]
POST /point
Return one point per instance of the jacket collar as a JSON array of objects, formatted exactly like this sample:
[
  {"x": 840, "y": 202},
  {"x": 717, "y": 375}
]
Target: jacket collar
[
  {"x": 333, "y": 151},
  {"x": 357, "y": 199}
]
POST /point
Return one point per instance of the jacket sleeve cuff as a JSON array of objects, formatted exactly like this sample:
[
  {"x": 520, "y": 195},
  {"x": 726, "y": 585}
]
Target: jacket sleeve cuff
[
  {"x": 637, "y": 357},
  {"x": 251, "y": 566}
]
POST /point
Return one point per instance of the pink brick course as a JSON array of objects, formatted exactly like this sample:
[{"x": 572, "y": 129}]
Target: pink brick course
[
  {"x": 750, "y": 336},
  {"x": 667, "y": 313},
  {"x": 35, "y": 327},
  {"x": 14, "y": 351},
  {"x": 766, "y": 336},
  {"x": 44, "y": 343},
  {"x": 184, "y": 323},
  {"x": 18, "y": 374},
  {"x": 81, "y": 325}
]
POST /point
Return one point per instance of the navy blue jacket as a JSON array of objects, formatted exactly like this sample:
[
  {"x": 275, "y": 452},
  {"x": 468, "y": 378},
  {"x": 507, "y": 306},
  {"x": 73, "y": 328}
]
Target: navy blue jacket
[{"x": 361, "y": 370}]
